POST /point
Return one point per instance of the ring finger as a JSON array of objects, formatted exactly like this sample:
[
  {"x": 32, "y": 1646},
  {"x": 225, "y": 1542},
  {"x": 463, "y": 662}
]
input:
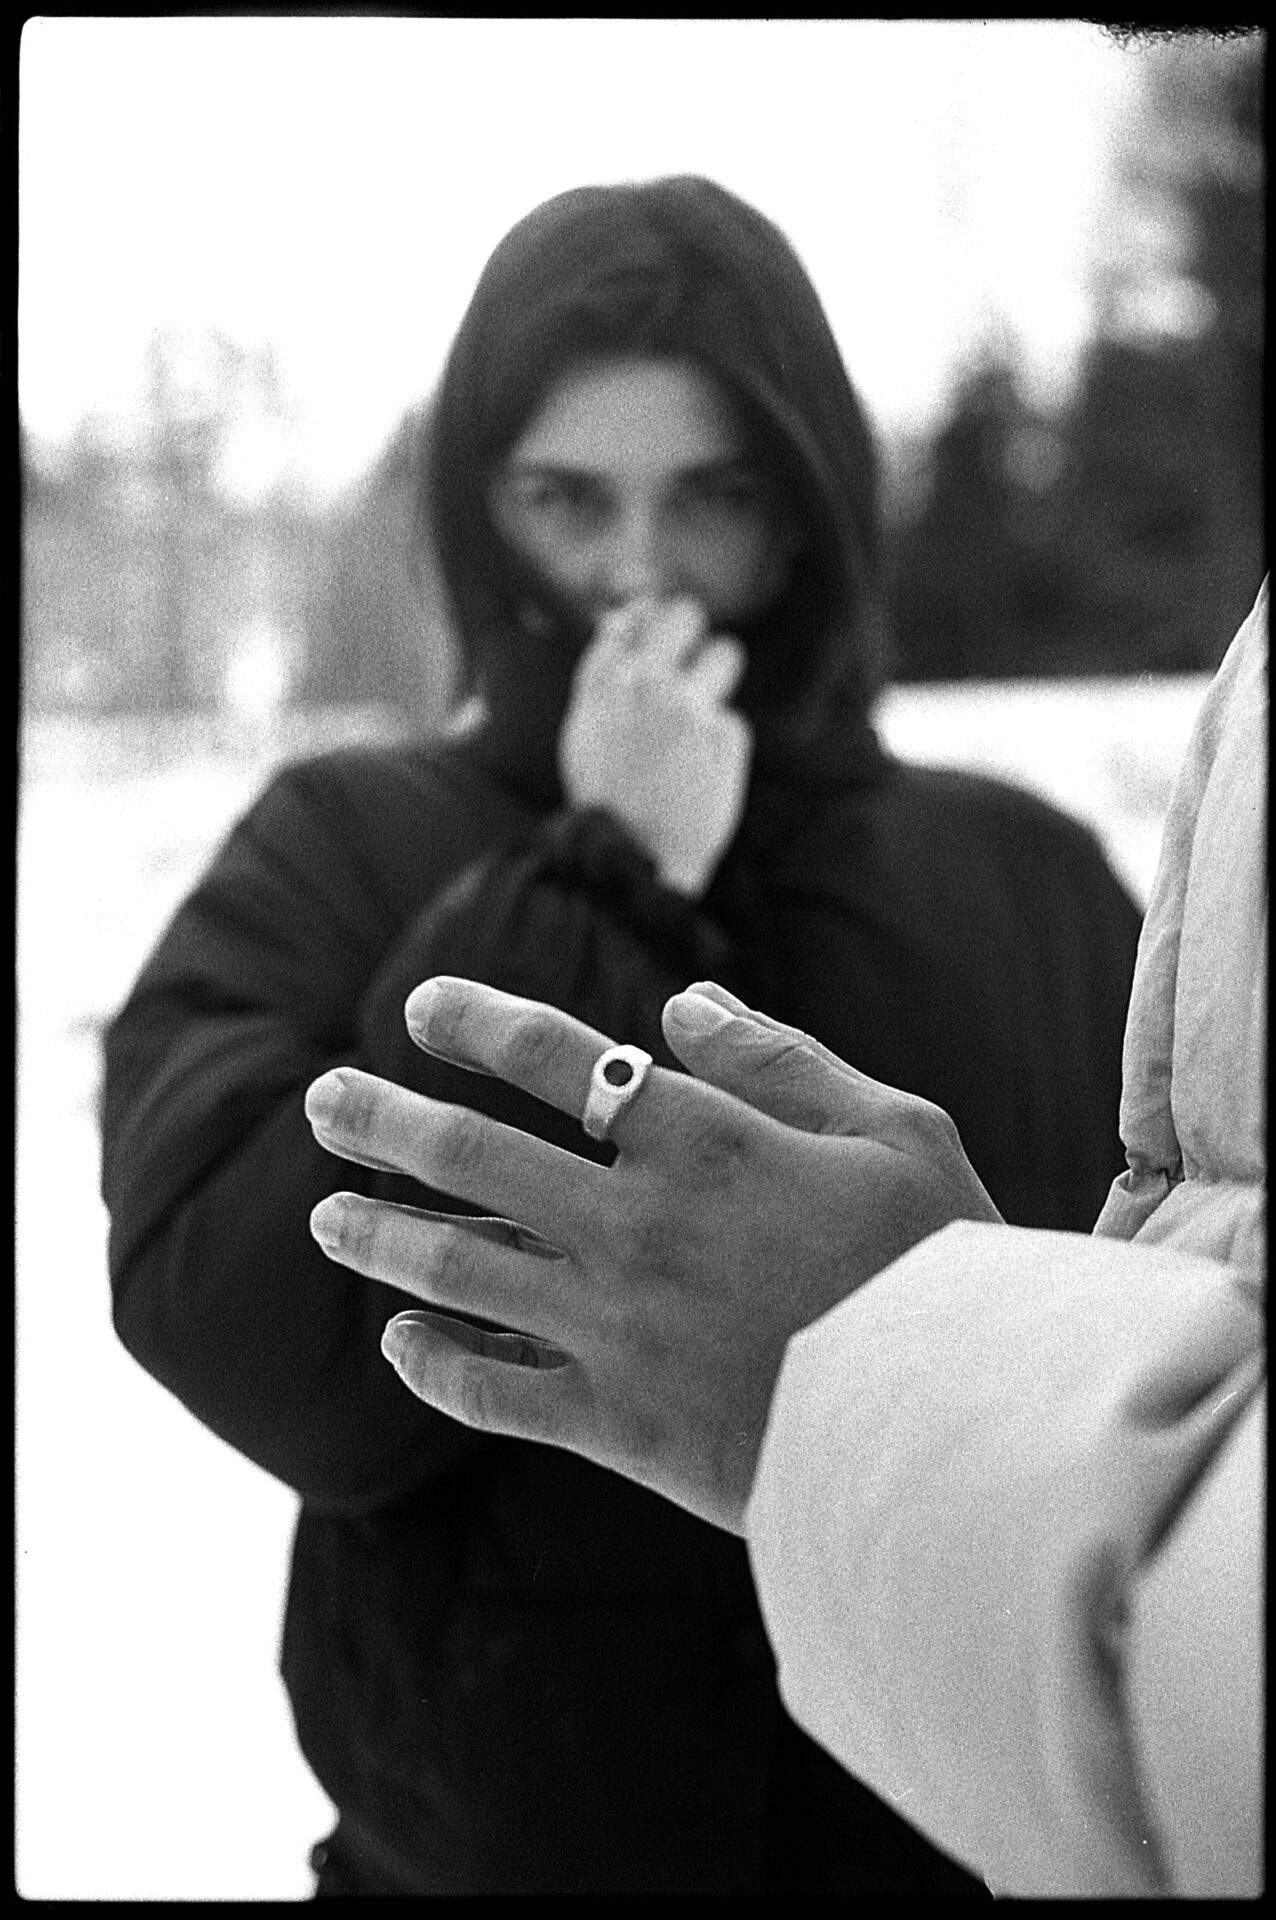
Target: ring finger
[{"x": 544, "y": 1051}]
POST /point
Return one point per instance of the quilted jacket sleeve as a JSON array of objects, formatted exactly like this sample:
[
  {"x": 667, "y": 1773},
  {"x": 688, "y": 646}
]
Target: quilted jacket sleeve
[
  {"x": 1006, "y": 1531},
  {"x": 326, "y": 905}
]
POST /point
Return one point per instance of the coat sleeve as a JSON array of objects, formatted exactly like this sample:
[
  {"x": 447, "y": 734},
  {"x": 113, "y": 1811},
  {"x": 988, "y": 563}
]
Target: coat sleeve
[
  {"x": 294, "y": 954},
  {"x": 1006, "y": 1521}
]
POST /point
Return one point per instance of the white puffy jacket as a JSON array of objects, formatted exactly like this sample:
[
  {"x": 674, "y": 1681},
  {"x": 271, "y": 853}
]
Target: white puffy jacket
[{"x": 1007, "y": 1523}]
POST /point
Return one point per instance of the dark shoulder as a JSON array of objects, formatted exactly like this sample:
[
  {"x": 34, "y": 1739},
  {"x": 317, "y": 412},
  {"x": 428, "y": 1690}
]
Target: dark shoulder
[
  {"x": 943, "y": 843},
  {"x": 383, "y": 824},
  {"x": 394, "y": 788},
  {"x": 952, "y": 804},
  {"x": 398, "y": 774}
]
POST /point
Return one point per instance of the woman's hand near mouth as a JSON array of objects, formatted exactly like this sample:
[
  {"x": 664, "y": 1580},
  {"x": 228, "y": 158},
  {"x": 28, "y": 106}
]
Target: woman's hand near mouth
[{"x": 650, "y": 735}]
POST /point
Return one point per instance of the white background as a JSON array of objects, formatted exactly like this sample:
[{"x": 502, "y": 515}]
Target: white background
[{"x": 334, "y": 186}]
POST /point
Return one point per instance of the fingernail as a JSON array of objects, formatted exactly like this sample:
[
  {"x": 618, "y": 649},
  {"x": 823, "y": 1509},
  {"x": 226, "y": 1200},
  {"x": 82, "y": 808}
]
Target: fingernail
[
  {"x": 710, "y": 990},
  {"x": 693, "y": 1014},
  {"x": 397, "y": 1342},
  {"x": 324, "y": 1095},
  {"x": 325, "y": 1223},
  {"x": 418, "y": 1007},
  {"x": 394, "y": 1342}
]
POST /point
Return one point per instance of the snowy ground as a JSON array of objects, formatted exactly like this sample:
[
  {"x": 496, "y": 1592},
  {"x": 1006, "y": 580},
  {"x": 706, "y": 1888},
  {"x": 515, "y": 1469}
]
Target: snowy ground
[{"x": 155, "y": 1753}]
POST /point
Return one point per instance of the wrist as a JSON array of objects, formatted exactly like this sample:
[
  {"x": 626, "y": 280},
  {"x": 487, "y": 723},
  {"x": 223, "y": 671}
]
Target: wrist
[
  {"x": 683, "y": 877},
  {"x": 676, "y": 870},
  {"x": 589, "y": 842},
  {"x": 591, "y": 849}
]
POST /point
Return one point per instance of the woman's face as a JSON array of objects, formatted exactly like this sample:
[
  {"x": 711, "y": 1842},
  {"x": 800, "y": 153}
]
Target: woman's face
[{"x": 635, "y": 478}]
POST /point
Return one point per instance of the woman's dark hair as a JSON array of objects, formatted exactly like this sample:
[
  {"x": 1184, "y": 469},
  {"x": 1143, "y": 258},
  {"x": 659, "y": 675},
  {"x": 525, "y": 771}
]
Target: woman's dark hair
[{"x": 681, "y": 269}]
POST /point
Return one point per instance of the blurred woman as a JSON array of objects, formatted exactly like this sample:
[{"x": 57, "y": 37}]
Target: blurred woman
[{"x": 651, "y": 494}]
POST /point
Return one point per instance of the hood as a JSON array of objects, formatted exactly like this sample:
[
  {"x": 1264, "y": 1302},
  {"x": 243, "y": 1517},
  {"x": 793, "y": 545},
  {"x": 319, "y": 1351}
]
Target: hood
[{"x": 683, "y": 269}]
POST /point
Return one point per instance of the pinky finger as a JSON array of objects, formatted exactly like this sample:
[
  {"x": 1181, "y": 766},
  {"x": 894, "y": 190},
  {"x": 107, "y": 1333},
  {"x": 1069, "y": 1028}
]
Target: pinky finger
[
  {"x": 717, "y": 670},
  {"x": 496, "y": 1382}
]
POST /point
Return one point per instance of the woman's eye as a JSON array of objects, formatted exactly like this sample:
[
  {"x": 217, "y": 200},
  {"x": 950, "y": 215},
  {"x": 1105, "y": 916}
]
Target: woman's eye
[
  {"x": 726, "y": 493},
  {"x": 554, "y": 495}
]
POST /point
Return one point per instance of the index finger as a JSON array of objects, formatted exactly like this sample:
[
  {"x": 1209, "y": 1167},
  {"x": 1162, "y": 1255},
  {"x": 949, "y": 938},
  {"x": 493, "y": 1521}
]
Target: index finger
[
  {"x": 539, "y": 1048},
  {"x": 672, "y": 635}
]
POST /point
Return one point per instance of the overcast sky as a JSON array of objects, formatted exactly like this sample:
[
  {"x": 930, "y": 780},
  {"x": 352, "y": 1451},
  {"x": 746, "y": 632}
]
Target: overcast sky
[{"x": 335, "y": 185}]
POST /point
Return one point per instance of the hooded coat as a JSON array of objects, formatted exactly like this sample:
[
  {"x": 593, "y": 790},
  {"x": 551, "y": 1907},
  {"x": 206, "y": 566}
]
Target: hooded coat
[{"x": 511, "y": 1671}]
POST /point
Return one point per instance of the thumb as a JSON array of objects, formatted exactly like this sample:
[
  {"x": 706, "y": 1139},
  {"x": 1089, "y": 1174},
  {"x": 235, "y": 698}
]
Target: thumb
[{"x": 779, "y": 1070}]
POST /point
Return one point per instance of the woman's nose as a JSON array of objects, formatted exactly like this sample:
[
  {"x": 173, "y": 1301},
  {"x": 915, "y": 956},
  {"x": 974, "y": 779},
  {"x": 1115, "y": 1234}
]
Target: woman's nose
[{"x": 635, "y": 561}]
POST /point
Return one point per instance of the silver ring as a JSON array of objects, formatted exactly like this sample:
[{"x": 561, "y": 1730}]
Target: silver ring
[{"x": 616, "y": 1080}]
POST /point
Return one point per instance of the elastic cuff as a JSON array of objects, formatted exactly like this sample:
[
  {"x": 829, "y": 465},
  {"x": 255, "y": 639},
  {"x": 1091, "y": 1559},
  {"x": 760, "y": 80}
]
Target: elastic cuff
[{"x": 590, "y": 848}]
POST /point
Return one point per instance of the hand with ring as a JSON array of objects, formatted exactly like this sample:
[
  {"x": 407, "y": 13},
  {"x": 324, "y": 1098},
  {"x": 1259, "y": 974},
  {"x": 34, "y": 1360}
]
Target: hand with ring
[{"x": 638, "y": 1313}]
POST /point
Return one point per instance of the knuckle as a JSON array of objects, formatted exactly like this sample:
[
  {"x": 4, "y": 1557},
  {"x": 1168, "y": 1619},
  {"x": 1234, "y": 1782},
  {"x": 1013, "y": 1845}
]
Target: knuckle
[
  {"x": 933, "y": 1124},
  {"x": 535, "y": 1043},
  {"x": 786, "y": 1057},
  {"x": 654, "y": 1250},
  {"x": 474, "y": 1395},
  {"x": 646, "y": 1347},
  {"x": 444, "y": 1260},
  {"x": 645, "y": 1236},
  {"x": 656, "y": 1240},
  {"x": 459, "y": 1143},
  {"x": 717, "y": 1147}
]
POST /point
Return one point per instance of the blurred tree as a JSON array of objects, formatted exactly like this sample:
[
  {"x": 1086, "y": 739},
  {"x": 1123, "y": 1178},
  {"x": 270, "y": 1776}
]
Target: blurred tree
[
  {"x": 975, "y": 580},
  {"x": 155, "y": 546},
  {"x": 1163, "y": 519},
  {"x": 376, "y": 620},
  {"x": 179, "y": 452},
  {"x": 171, "y": 563},
  {"x": 1124, "y": 535},
  {"x": 1227, "y": 200}
]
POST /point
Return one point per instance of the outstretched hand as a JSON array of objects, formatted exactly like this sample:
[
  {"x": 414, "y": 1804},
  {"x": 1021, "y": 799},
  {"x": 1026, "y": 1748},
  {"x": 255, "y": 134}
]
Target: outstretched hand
[{"x": 639, "y": 1312}]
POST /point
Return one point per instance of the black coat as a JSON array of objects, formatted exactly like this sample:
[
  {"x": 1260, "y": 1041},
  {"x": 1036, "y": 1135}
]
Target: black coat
[{"x": 511, "y": 1670}]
